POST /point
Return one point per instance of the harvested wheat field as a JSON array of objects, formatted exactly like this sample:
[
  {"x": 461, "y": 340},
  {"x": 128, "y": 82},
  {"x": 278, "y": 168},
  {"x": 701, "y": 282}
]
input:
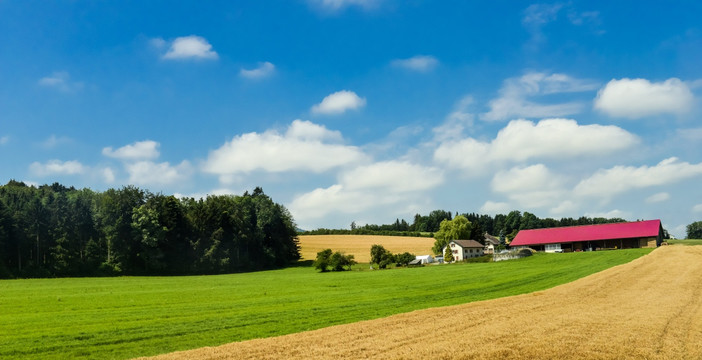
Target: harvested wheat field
[
  {"x": 647, "y": 309},
  {"x": 359, "y": 245}
]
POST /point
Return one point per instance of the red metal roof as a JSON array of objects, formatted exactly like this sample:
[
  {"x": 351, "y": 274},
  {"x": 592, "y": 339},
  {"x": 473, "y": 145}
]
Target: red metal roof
[{"x": 648, "y": 228}]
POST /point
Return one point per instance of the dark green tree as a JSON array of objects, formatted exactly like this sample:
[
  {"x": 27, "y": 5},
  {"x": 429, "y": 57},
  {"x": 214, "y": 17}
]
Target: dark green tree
[
  {"x": 323, "y": 260},
  {"x": 694, "y": 230},
  {"x": 341, "y": 262},
  {"x": 404, "y": 259}
]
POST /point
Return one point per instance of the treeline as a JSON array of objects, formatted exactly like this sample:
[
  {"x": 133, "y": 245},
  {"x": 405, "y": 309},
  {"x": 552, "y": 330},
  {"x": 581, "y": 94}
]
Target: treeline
[
  {"x": 507, "y": 225},
  {"x": 55, "y": 230}
]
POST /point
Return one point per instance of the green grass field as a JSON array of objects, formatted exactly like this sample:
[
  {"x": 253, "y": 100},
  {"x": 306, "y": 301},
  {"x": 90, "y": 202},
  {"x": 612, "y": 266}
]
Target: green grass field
[
  {"x": 685, "y": 242},
  {"x": 136, "y": 316}
]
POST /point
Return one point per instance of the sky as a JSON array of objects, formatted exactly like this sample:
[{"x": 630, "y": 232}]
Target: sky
[{"x": 363, "y": 110}]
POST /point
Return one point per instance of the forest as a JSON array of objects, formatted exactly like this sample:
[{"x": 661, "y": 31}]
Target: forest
[
  {"x": 55, "y": 231},
  {"x": 507, "y": 225}
]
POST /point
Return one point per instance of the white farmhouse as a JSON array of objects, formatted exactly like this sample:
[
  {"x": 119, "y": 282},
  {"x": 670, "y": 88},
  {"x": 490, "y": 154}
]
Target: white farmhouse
[{"x": 464, "y": 249}]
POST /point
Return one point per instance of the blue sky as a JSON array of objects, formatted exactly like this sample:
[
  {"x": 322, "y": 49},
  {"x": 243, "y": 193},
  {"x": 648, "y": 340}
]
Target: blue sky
[{"x": 362, "y": 110}]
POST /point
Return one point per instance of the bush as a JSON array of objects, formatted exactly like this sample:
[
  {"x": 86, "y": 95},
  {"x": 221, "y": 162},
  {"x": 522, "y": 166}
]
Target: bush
[
  {"x": 480, "y": 259},
  {"x": 341, "y": 262},
  {"x": 337, "y": 261},
  {"x": 404, "y": 259},
  {"x": 380, "y": 256},
  {"x": 323, "y": 260}
]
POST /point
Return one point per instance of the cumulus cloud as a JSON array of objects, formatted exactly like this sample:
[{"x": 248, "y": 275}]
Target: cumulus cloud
[
  {"x": 263, "y": 70},
  {"x": 697, "y": 208},
  {"x": 495, "y": 207},
  {"x": 57, "y": 167},
  {"x": 140, "y": 150},
  {"x": 609, "y": 182},
  {"x": 367, "y": 187},
  {"x": 151, "y": 173},
  {"x": 61, "y": 81},
  {"x": 338, "y": 103},
  {"x": 395, "y": 176},
  {"x": 513, "y": 101},
  {"x": 190, "y": 47},
  {"x": 521, "y": 140},
  {"x": 659, "y": 197},
  {"x": 420, "y": 63},
  {"x": 108, "y": 175},
  {"x": 636, "y": 98},
  {"x": 306, "y": 147},
  {"x": 530, "y": 186}
]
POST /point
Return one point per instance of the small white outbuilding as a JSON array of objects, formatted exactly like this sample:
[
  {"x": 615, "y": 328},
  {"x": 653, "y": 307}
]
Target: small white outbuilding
[{"x": 425, "y": 259}]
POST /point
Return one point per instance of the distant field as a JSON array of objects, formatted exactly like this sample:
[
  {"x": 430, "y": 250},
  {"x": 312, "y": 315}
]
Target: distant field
[
  {"x": 359, "y": 245},
  {"x": 650, "y": 308},
  {"x": 685, "y": 242},
  {"x": 119, "y": 318}
]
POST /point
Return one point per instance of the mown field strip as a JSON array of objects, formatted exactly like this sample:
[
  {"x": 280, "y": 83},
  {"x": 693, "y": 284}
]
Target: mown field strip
[
  {"x": 117, "y": 318},
  {"x": 359, "y": 245},
  {"x": 650, "y": 308}
]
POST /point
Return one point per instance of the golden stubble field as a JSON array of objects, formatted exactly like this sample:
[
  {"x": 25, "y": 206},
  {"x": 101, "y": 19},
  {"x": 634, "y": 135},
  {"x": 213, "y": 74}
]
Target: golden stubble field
[
  {"x": 647, "y": 309},
  {"x": 359, "y": 245}
]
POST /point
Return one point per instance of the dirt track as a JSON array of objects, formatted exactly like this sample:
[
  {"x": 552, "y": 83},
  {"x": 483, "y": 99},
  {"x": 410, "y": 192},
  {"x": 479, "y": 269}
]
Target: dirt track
[{"x": 647, "y": 309}]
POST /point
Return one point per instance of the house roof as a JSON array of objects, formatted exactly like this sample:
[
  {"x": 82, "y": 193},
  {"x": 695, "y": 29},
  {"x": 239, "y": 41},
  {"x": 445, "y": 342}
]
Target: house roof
[
  {"x": 627, "y": 230},
  {"x": 491, "y": 239},
  {"x": 468, "y": 243}
]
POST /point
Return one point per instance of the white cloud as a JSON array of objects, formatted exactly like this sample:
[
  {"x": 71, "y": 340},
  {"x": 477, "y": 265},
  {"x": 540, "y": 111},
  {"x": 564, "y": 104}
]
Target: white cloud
[
  {"x": 108, "y": 175},
  {"x": 521, "y": 140},
  {"x": 4, "y": 139},
  {"x": 57, "y": 167},
  {"x": 697, "y": 208},
  {"x": 513, "y": 102},
  {"x": 494, "y": 207},
  {"x": 616, "y": 213},
  {"x": 420, "y": 63},
  {"x": 394, "y": 176},
  {"x": 333, "y": 6},
  {"x": 190, "y": 47},
  {"x": 338, "y": 103},
  {"x": 305, "y": 147},
  {"x": 456, "y": 122},
  {"x": 636, "y": 98},
  {"x": 368, "y": 187},
  {"x": 61, "y": 81},
  {"x": 151, "y": 173},
  {"x": 607, "y": 183},
  {"x": 565, "y": 207},
  {"x": 530, "y": 186},
  {"x": 656, "y": 198},
  {"x": 140, "y": 150},
  {"x": 263, "y": 70}
]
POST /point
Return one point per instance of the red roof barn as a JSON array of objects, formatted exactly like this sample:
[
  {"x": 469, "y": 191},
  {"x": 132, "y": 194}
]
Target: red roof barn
[{"x": 635, "y": 234}]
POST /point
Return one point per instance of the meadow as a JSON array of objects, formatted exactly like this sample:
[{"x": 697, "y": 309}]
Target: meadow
[
  {"x": 649, "y": 308},
  {"x": 359, "y": 245},
  {"x": 687, "y": 242},
  {"x": 118, "y": 318}
]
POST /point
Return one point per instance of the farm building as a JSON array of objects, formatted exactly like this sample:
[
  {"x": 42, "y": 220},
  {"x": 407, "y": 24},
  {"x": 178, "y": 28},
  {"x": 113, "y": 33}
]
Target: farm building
[
  {"x": 491, "y": 242},
  {"x": 637, "y": 234},
  {"x": 464, "y": 249},
  {"x": 425, "y": 259}
]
